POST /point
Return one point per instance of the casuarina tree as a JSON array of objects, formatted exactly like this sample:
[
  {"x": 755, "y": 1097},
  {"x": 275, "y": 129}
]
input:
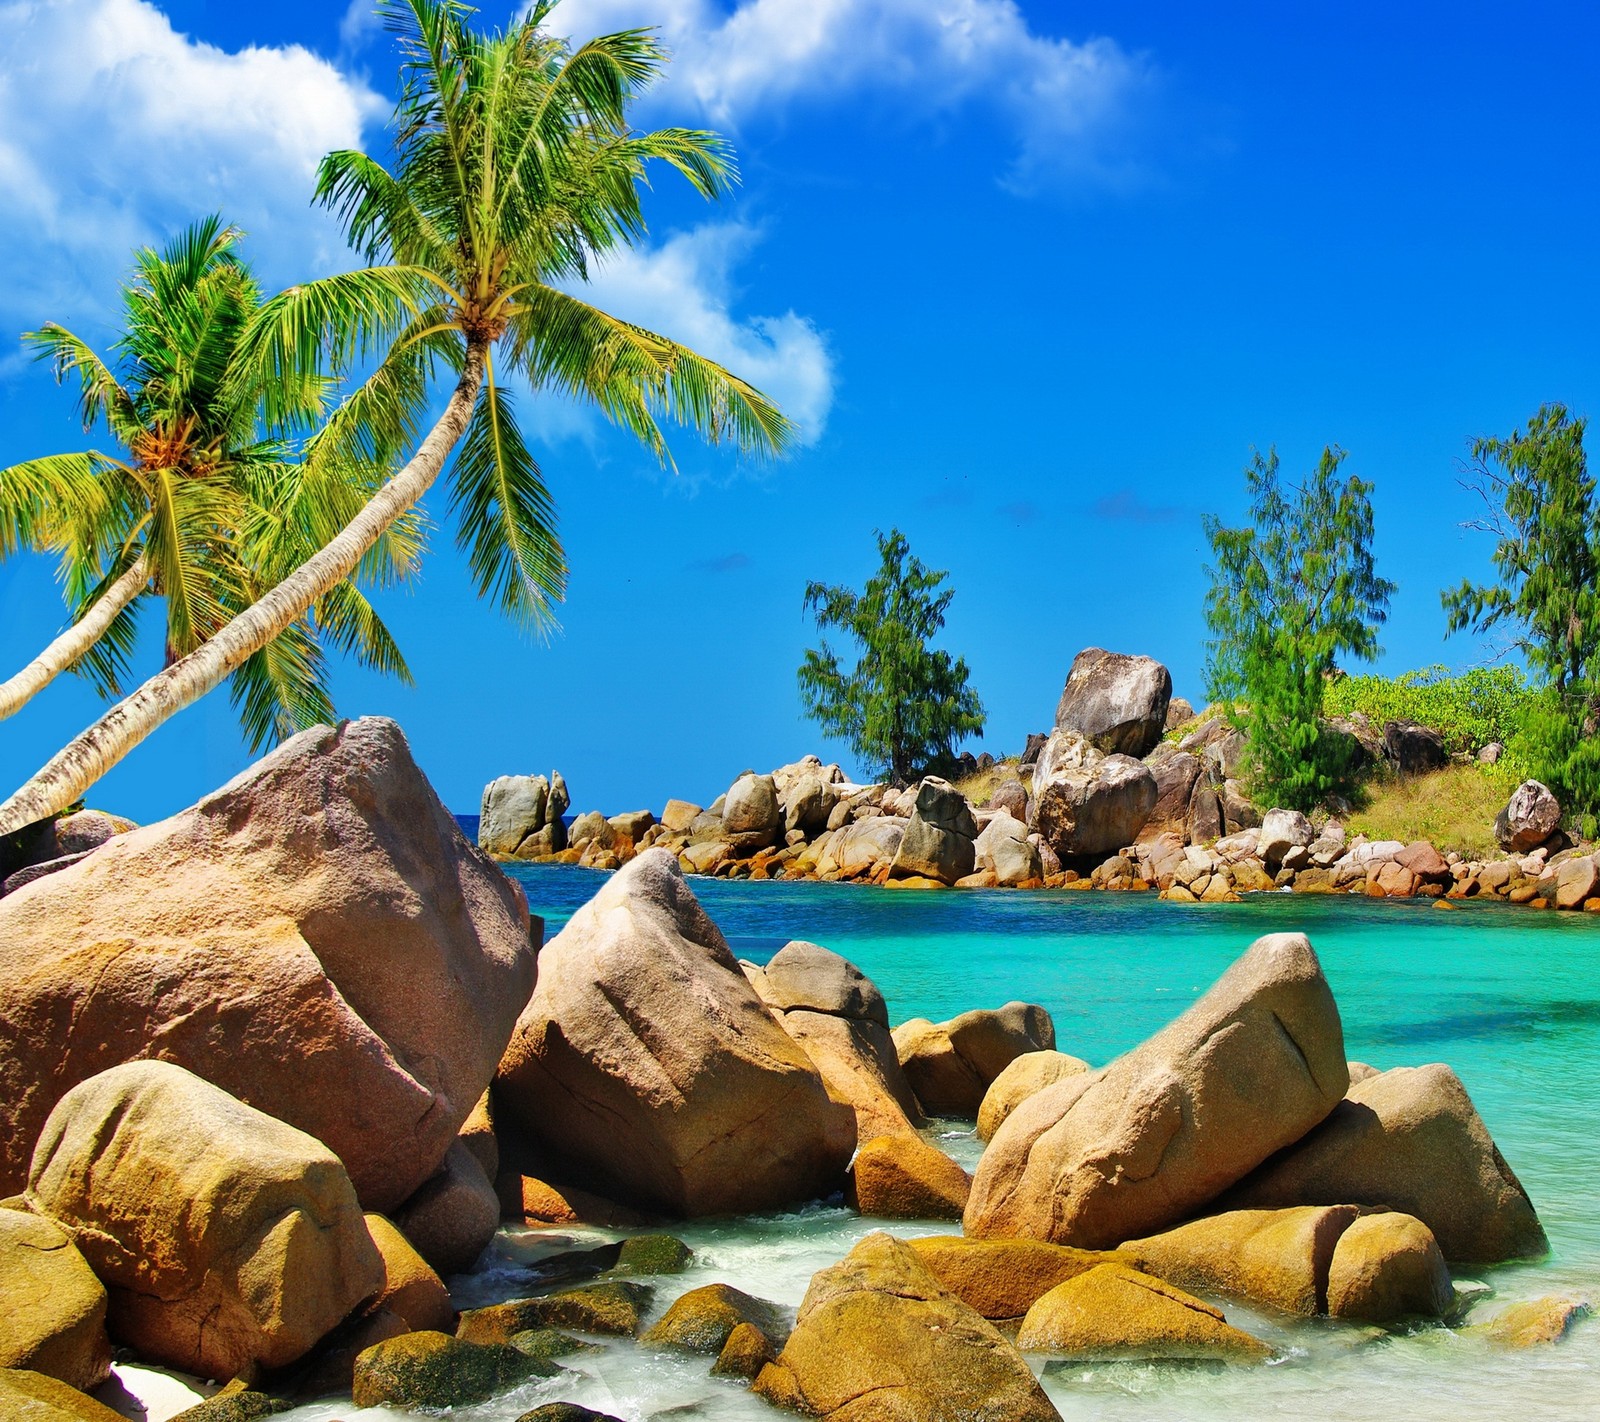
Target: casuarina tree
[
  {"x": 1291, "y": 592},
  {"x": 905, "y": 705}
]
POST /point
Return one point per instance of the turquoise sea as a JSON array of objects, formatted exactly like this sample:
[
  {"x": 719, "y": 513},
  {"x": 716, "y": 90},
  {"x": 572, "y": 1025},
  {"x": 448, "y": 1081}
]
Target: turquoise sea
[{"x": 1509, "y": 998}]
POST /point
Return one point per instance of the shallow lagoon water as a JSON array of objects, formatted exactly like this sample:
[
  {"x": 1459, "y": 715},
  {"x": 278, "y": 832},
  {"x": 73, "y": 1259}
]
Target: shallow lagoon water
[{"x": 1510, "y": 998}]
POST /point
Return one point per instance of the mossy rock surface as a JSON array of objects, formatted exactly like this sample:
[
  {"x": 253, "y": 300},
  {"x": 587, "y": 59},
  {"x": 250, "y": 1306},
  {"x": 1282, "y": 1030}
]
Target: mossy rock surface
[
  {"x": 654, "y": 1254},
  {"x": 549, "y": 1343},
  {"x": 235, "y": 1403},
  {"x": 746, "y": 1352},
  {"x": 27, "y": 1396},
  {"x": 616, "y": 1309},
  {"x": 566, "y": 1412},
  {"x": 703, "y": 1319},
  {"x": 435, "y": 1370}
]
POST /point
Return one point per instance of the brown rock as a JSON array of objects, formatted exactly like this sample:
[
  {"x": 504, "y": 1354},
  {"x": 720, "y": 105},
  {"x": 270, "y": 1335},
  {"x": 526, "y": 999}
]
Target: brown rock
[
  {"x": 410, "y": 1290},
  {"x": 224, "y": 1238},
  {"x": 1576, "y": 880},
  {"x": 1425, "y": 862},
  {"x": 904, "y": 1178},
  {"x": 646, "y": 1060},
  {"x": 878, "y": 1326},
  {"x": 452, "y": 1218},
  {"x": 950, "y": 1065},
  {"x": 1275, "y": 1257},
  {"x": 1410, "y": 1140},
  {"x": 1002, "y": 1278},
  {"x": 1113, "y": 1154},
  {"x": 614, "y": 1309},
  {"x": 1115, "y": 701},
  {"x": 537, "y": 1202},
  {"x": 1086, "y": 803},
  {"x": 27, "y": 1396},
  {"x": 1535, "y": 1323},
  {"x": 477, "y": 1135},
  {"x": 1112, "y": 1311},
  {"x": 54, "y": 1315},
  {"x": 1388, "y": 1267},
  {"x": 746, "y": 1352},
  {"x": 704, "y": 1319},
  {"x": 1026, "y": 1076},
  {"x": 1175, "y": 779},
  {"x": 315, "y": 934},
  {"x": 433, "y": 1370}
]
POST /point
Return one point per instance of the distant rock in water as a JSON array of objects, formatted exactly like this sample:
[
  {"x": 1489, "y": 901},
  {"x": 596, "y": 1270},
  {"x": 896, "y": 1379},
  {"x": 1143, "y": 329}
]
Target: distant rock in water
[
  {"x": 317, "y": 938},
  {"x": 521, "y": 816}
]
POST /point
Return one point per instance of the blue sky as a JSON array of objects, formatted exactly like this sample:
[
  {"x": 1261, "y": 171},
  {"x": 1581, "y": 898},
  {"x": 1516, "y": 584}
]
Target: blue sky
[{"x": 1033, "y": 277}]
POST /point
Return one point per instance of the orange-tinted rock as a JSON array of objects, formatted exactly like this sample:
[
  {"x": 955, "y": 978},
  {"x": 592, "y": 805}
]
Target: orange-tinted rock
[
  {"x": 904, "y": 1178},
  {"x": 411, "y": 1290}
]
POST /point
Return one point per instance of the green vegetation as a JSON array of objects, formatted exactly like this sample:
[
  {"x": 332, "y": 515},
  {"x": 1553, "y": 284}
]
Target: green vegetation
[
  {"x": 904, "y": 706},
  {"x": 1545, "y": 519},
  {"x": 202, "y": 504},
  {"x": 516, "y": 168},
  {"x": 1453, "y": 808},
  {"x": 1469, "y": 710},
  {"x": 1289, "y": 594}
]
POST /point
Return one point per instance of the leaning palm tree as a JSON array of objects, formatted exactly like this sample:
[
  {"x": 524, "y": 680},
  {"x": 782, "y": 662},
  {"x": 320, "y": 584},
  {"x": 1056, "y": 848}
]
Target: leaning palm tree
[
  {"x": 194, "y": 470},
  {"x": 515, "y": 170}
]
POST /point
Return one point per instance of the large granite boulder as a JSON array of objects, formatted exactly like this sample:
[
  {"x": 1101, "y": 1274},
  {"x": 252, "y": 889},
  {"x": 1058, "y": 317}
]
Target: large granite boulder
[
  {"x": 226, "y": 1239},
  {"x": 1112, "y": 1311},
  {"x": 840, "y": 1021},
  {"x": 316, "y": 937},
  {"x": 938, "y": 839},
  {"x": 1115, "y": 1154},
  {"x": 1004, "y": 849},
  {"x": 1414, "y": 749},
  {"x": 54, "y": 1315},
  {"x": 453, "y": 1216},
  {"x": 1086, "y": 802},
  {"x": 877, "y": 1337},
  {"x": 1530, "y": 817},
  {"x": 1026, "y": 1076},
  {"x": 1410, "y": 1140},
  {"x": 1175, "y": 776},
  {"x": 27, "y": 1396},
  {"x": 520, "y": 816},
  {"x": 1115, "y": 702},
  {"x": 808, "y": 802},
  {"x": 865, "y": 846},
  {"x": 1283, "y": 831},
  {"x": 751, "y": 814},
  {"x": 1003, "y": 1278},
  {"x": 950, "y": 1065},
  {"x": 1308, "y": 1260},
  {"x": 411, "y": 1290},
  {"x": 646, "y": 1060},
  {"x": 1010, "y": 796},
  {"x": 902, "y": 1177}
]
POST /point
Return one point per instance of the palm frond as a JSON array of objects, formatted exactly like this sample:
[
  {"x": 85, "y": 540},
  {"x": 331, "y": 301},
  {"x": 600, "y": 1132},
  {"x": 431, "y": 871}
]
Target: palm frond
[
  {"x": 281, "y": 689},
  {"x": 99, "y": 392},
  {"x": 349, "y": 623}
]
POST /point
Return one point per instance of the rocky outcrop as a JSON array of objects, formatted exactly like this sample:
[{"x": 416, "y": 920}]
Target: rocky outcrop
[
  {"x": 1414, "y": 749},
  {"x": 1086, "y": 802},
  {"x": 1117, "y": 703},
  {"x": 751, "y": 814},
  {"x": 1004, "y": 850},
  {"x": 54, "y": 1318},
  {"x": 877, "y": 1326},
  {"x": 950, "y": 1065},
  {"x": 938, "y": 838},
  {"x": 520, "y": 817},
  {"x": 316, "y": 938},
  {"x": 839, "y": 1019},
  {"x": 225, "y": 1239},
  {"x": 646, "y": 1060},
  {"x": 1530, "y": 817},
  {"x": 1115, "y": 1154},
  {"x": 902, "y": 1177},
  {"x": 1026, "y": 1076},
  {"x": 1408, "y": 1140},
  {"x": 1113, "y": 1311}
]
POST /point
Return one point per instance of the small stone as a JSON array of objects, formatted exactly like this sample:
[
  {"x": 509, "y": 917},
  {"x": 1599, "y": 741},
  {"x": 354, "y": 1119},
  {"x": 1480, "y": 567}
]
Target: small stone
[
  {"x": 746, "y": 1352},
  {"x": 653, "y": 1254},
  {"x": 1535, "y": 1323},
  {"x": 703, "y": 1320}
]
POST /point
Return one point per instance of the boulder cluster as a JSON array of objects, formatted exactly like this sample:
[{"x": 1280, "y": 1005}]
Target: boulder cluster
[
  {"x": 1130, "y": 791},
  {"x": 280, "y": 1065}
]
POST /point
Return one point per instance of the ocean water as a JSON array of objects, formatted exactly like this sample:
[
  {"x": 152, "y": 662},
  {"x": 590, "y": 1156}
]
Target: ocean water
[{"x": 1509, "y": 998}]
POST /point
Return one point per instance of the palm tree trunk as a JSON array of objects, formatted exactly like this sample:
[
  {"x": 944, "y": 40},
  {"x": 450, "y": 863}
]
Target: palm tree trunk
[
  {"x": 78, "y": 765},
  {"x": 74, "y": 642}
]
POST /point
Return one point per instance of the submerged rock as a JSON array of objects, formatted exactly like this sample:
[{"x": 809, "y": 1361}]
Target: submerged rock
[
  {"x": 225, "y": 1239},
  {"x": 703, "y": 1320},
  {"x": 316, "y": 938},
  {"x": 1411, "y": 1140},
  {"x": 1534, "y": 1323},
  {"x": 1112, "y": 1311},
  {"x": 437, "y": 1371},
  {"x": 646, "y": 1059},
  {"x": 877, "y": 1337},
  {"x": 1110, "y": 1155}
]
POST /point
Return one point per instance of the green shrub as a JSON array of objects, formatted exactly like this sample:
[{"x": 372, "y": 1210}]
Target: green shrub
[{"x": 1469, "y": 710}]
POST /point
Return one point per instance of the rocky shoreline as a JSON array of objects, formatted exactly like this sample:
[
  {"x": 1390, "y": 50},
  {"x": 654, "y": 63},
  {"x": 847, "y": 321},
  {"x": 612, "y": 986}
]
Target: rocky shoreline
[
  {"x": 1130, "y": 792},
  {"x": 282, "y": 1064}
]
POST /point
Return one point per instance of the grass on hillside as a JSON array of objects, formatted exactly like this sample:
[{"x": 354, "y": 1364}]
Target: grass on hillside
[
  {"x": 1453, "y": 808},
  {"x": 978, "y": 788}
]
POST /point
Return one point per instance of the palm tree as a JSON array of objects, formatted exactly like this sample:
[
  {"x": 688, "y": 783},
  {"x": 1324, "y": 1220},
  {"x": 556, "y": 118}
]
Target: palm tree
[
  {"x": 515, "y": 169},
  {"x": 198, "y": 500}
]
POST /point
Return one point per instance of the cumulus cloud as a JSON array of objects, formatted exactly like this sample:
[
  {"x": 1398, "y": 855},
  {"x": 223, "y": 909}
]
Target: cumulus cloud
[
  {"x": 117, "y": 131},
  {"x": 685, "y": 288},
  {"x": 1065, "y": 101}
]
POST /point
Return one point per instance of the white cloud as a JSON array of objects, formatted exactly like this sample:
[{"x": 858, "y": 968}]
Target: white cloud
[
  {"x": 685, "y": 289},
  {"x": 116, "y": 131},
  {"x": 1066, "y": 102}
]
